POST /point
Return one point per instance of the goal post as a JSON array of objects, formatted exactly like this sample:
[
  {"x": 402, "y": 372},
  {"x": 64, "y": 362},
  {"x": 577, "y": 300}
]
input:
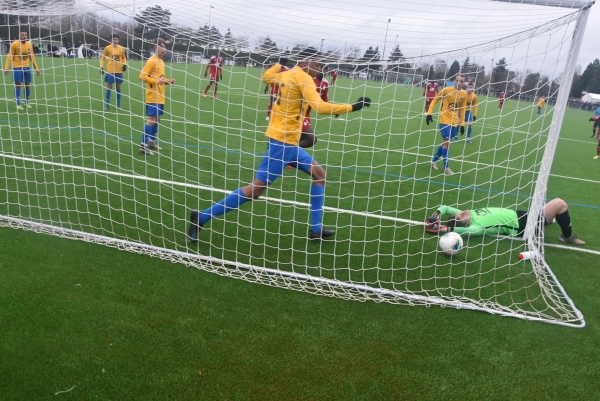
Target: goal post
[{"x": 71, "y": 164}]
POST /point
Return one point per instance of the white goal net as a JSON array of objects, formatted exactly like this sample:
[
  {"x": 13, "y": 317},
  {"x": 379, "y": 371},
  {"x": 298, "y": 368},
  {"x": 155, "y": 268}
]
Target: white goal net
[{"x": 71, "y": 164}]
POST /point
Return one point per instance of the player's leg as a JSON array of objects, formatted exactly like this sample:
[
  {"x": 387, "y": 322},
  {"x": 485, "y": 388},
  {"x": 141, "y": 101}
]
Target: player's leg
[
  {"x": 18, "y": 80},
  {"x": 270, "y": 168},
  {"x": 152, "y": 142},
  {"x": 215, "y": 91},
  {"x": 110, "y": 80},
  {"x": 210, "y": 82},
  {"x": 558, "y": 209},
  {"x": 27, "y": 81},
  {"x": 152, "y": 111},
  {"x": 443, "y": 149},
  {"x": 307, "y": 137},
  {"x": 598, "y": 149},
  {"x": 307, "y": 164},
  {"x": 595, "y": 127},
  {"x": 118, "y": 83},
  {"x": 469, "y": 121}
]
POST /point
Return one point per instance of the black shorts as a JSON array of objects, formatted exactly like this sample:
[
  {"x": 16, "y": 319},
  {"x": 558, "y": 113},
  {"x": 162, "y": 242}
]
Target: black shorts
[
  {"x": 522, "y": 216},
  {"x": 596, "y": 123}
]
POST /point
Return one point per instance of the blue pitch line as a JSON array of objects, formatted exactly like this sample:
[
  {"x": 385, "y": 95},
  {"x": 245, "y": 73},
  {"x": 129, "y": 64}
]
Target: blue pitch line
[{"x": 224, "y": 150}]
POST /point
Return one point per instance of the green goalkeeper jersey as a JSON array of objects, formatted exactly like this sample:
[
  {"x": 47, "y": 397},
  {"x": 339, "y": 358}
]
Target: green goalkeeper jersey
[{"x": 487, "y": 220}]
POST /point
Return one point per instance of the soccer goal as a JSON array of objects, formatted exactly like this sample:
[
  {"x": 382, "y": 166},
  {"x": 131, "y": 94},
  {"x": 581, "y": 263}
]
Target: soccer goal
[{"x": 71, "y": 164}]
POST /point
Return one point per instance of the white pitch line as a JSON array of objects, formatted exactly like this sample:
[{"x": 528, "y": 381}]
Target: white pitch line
[{"x": 265, "y": 198}]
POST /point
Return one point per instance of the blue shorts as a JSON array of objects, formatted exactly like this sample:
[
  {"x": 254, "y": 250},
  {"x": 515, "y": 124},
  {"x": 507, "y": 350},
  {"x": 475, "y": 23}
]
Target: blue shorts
[
  {"x": 113, "y": 78},
  {"x": 155, "y": 109},
  {"x": 448, "y": 131},
  {"x": 468, "y": 117},
  {"x": 22, "y": 75},
  {"x": 278, "y": 156}
]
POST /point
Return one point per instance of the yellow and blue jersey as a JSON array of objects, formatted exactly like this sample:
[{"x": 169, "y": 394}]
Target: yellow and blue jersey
[
  {"x": 541, "y": 102},
  {"x": 297, "y": 92},
  {"x": 472, "y": 104},
  {"x": 19, "y": 54},
  {"x": 152, "y": 72},
  {"x": 116, "y": 59},
  {"x": 453, "y": 105}
]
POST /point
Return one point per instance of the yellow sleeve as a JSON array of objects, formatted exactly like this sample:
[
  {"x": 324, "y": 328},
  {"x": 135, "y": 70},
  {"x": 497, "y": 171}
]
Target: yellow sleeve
[
  {"x": 461, "y": 110},
  {"x": 436, "y": 99},
  {"x": 313, "y": 99},
  {"x": 9, "y": 56},
  {"x": 32, "y": 56},
  {"x": 475, "y": 105},
  {"x": 146, "y": 74},
  {"x": 104, "y": 55},
  {"x": 269, "y": 76}
]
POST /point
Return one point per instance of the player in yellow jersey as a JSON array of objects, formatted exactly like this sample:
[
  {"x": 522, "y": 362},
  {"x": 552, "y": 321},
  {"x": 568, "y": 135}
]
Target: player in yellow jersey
[
  {"x": 116, "y": 57},
  {"x": 472, "y": 108},
  {"x": 454, "y": 101},
  {"x": 153, "y": 74},
  {"x": 297, "y": 91},
  {"x": 541, "y": 103},
  {"x": 20, "y": 54}
]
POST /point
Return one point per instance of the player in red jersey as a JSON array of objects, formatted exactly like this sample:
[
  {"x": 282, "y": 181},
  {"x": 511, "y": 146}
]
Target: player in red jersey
[
  {"x": 502, "y": 99},
  {"x": 215, "y": 67},
  {"x": 334, "y": 75},
  {"x": 431, "y": 89},
  {"x": 274, "y": 90}
]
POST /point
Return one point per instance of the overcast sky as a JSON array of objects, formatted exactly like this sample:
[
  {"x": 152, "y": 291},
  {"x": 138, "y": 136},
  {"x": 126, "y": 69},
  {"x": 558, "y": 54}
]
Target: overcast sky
[{"x": 418, "y": 26}]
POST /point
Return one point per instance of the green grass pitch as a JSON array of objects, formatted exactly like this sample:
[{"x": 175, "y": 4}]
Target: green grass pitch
[{"x": 121, "y": 326}]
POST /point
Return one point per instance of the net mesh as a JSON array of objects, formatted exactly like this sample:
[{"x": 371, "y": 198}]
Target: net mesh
[{"x": 71, "y": 167}]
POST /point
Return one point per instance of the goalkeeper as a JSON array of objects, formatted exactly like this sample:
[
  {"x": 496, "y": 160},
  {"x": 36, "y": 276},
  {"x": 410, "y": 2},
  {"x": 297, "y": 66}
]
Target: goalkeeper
[
  {"x": 297, "y": 92},
  {"x": 501, "y": 221}
]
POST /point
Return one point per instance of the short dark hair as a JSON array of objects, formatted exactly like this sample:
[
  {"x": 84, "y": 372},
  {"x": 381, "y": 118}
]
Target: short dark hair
[
  {"x": 470, "y": 84},
  {"x": 115, "y": 36},
  {"x": 161, "y": 42}
]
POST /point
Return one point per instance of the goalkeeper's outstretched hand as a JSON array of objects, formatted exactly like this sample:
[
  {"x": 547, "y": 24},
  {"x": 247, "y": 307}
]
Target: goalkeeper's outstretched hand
[
  {"x": 591, "y": 119},
  {"x": 102, "y": 71},
  {"x": 433, "y": 225},
  {"x": 283, "y": 61},
  {"x": 360, "y": 103},
  {"x": 124, "y": 67},
  {"x": 462, "y": 129},
  {"x": 429, "y": 119}
]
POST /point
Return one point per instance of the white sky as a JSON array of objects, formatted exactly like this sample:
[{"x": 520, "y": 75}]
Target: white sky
[{"x": 418, "y": 26}]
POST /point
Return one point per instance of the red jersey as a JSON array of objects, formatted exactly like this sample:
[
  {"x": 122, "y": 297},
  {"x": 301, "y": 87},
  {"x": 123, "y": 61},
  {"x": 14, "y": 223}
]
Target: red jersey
[
  {"x": 503, "y": 96},
  {"x": 215, "y": 65},
  {"x": 275, "y": 87},
  {"x": 322, "y": 90},
  {"x": 334, "y": 74},
  {"x": 431, "y": 90}
]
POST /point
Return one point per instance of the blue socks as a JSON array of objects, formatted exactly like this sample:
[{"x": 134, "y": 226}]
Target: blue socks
[
  {"x": 18, "y": 95},
  {"x": 438, "y": 154},
  {"x": 147, "y": 134},
  {"x": 232, "y": 201},
  {"x": 154, "y": 132},
  {"x": 27, "y": 93},
  {"x": 118, "y": 98},
  {"x": 108, "y": 96},
  {"x": 445, "y": 153},
  {"x": 317, "y": 199},
  {"x": 469, "y": 132}
]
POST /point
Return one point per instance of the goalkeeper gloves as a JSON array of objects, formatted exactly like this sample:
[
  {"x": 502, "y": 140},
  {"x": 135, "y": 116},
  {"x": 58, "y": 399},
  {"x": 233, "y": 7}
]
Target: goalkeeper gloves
[
  {"x": 474, "y": 118},
  {"x": 429, "y": 119},
  {"x": 591, "y": 119},
  {"x": 462, "y": 129},
  {"x": 221, "y": 77},
  {"x": 360, "y": 103},
  {"x": 266, "y": 89},
  {"x": 102, "y": 71},
  {"x": 205, "y": 74},
  {"x": 283, "y": 61},
  {"x": 432, "y": 224},
  {"x": 124, "y": 67}
]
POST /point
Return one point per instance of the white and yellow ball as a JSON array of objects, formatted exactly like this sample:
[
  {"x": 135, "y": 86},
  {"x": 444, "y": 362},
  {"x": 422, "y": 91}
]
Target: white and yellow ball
[{"x": 450, "y": 243}]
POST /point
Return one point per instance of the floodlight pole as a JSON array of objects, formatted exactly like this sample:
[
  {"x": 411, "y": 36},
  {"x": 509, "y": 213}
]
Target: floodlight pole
[{"x": 385, "y": 40}]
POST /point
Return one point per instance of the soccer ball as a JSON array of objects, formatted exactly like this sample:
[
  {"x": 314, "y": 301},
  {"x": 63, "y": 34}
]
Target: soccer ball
[{"x": 451, "y": 243}]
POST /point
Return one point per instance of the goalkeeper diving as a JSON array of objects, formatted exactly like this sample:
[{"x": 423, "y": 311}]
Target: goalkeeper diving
[{"x": 501, "y": 221}]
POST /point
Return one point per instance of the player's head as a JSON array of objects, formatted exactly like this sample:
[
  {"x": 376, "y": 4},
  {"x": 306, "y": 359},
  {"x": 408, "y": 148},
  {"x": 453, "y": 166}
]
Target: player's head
[
  {"x": 160, "y": 47},
  {"x": 320, "y": 76},
  {"x": 459, "y": 80},
  {"x": 460, "y": 219},
  {"x": 470, "y": 88},
  {"x": 115, "y": 39},
  {"x": 23, "y": 36},
  {"x": 309, "y": 61}
]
